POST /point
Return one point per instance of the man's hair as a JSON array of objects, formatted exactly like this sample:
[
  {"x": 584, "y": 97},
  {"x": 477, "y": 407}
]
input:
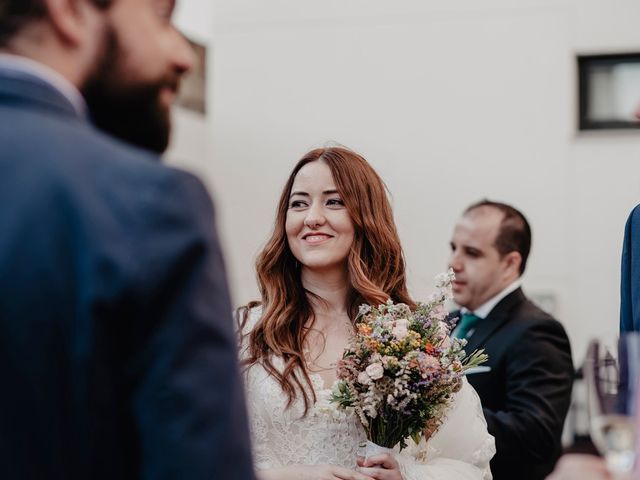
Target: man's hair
[
  {"x": 515, "y": 232},
  {"x": 15, "y": 14}
]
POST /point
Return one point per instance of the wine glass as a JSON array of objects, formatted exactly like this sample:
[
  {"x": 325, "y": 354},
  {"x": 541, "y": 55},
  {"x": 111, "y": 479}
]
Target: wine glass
[{"x": 611, "y": 400}]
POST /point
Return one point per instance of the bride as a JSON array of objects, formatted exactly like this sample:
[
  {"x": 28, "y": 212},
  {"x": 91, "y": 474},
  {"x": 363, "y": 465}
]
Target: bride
[{"x": 335, "y": 247}]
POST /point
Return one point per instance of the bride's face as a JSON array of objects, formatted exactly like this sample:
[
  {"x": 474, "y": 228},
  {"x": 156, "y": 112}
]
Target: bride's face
[{"x": 319, "y": 229}]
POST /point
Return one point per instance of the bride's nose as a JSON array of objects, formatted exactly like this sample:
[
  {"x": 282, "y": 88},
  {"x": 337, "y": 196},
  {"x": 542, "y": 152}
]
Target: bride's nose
[{"x": 314, "y": 218}]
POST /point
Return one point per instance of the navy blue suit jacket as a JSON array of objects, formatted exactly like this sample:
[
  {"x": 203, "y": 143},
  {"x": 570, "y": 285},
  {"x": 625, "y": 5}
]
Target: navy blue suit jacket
[
  {"x": 117, "y": 351},
  {"x": 630, "y": 275}
]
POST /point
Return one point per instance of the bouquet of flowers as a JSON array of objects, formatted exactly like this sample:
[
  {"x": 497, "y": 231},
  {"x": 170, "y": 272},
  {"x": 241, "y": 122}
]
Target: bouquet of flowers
[{"x": 401, "y": 368}]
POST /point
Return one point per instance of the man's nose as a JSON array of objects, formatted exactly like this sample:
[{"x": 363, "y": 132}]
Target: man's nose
[
  {"x": 184, "y": 57},
  {"x": 454, "y": 262}
]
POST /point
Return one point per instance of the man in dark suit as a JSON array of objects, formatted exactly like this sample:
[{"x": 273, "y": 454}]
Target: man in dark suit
[
  {"x": 527, "y": 392},
  {"x": 117, "y": 351}
]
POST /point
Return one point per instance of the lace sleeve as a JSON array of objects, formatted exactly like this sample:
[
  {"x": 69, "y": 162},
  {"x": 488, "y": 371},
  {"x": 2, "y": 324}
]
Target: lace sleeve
[
  {"x": 244, "y": 328},
  {"x": 461, "y": 448},
  {"x": 253, "y": 384}
]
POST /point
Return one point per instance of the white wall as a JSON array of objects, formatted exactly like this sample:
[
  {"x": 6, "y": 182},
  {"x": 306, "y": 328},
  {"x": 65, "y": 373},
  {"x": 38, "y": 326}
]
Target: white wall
[
  {"x": 195, "y": 18},
  {"x": 191, "y": 139},
  {"x": 451, "y": 102}
]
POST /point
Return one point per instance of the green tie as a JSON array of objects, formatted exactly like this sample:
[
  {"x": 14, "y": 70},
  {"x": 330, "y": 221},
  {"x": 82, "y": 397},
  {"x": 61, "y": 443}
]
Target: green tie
[{"x": 467, "y": 322}]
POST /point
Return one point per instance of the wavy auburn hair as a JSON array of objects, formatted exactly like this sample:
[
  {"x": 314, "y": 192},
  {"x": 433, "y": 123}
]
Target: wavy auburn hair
[{"x": 376, "y": 270}]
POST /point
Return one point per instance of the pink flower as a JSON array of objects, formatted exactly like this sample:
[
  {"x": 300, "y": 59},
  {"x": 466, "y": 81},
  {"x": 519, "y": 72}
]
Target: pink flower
[
  {"x": 431, "y": 362},
  {"x": 428, "y": 364},
  {"x": 400, "y": 328},
  {"x": 375, "y": 371}
]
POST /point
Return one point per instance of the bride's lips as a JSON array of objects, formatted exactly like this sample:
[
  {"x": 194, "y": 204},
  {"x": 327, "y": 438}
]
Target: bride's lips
[{"x": 316, "y": 238}]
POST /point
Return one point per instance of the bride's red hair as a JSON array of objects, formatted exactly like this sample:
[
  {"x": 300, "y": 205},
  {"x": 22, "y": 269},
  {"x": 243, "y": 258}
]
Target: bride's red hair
[{"x": 375, "y": 265}]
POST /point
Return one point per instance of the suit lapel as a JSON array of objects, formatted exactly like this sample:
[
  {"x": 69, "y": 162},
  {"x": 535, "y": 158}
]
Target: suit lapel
[{"x": 496, "y": 318}]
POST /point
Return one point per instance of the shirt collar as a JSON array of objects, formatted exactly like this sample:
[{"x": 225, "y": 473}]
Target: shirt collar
[
  {"x": 47, "y": 74},
  {"x": 485, "y": 309}
]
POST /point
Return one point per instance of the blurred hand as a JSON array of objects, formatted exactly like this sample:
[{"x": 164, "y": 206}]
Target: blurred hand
[
  {"x": 580, "y": 467},
  {"x": 380, "y": 467}
]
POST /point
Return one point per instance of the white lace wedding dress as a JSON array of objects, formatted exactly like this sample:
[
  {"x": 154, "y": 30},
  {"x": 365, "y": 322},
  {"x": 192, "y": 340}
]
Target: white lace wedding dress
[{"x": 459, "y": 450}]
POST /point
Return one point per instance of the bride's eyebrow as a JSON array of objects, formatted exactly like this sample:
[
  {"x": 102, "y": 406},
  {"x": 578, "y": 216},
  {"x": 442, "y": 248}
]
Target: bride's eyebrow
[{"x": 304, "y": 194}]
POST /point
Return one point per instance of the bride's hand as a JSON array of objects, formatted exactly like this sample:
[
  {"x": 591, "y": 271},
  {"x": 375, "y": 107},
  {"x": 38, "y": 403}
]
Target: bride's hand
[
  {"x": 312, "y": 472},
  {"x": 380, "y": 467}
]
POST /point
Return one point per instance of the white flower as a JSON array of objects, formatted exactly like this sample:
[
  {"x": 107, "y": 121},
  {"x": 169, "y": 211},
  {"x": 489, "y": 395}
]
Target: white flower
[
  {"x": 364, "y": 378},
  {"x": 375, "y": 371},
  {"x": 400, "y": 328},
  {"x": 444, "y": 279},
  {"x": 443, "y": 331}
]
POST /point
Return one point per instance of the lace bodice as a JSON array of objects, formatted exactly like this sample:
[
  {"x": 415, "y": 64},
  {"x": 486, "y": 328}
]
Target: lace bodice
[{"x": 460, "y": 449}]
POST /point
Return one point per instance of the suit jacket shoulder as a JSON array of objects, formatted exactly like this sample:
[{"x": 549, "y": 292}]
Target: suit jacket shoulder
[{"x": 526, "y": 315}]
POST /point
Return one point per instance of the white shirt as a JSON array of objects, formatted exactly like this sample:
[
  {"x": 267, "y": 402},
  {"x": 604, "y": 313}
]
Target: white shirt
[
  {"x": 485, "y": 309},
  {"x": 47, "y": 74}
]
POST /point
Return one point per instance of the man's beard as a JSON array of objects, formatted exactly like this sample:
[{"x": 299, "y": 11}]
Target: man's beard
[{"x": 131, "y": 112}]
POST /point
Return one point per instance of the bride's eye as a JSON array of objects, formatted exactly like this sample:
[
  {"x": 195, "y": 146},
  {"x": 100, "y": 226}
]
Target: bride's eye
[
  {"x": 297, "y": 204},
  {"x": 335, "y": 202}
]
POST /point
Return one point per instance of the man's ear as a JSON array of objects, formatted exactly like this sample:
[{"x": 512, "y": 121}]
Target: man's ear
[
  {"x": 512, "y": 261},
  {"x": 70, "y": 19}
]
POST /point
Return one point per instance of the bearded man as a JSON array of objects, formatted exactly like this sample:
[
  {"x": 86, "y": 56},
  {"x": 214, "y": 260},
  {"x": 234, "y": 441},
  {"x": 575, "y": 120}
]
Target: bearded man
[{"x": 117, "y": 352}]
